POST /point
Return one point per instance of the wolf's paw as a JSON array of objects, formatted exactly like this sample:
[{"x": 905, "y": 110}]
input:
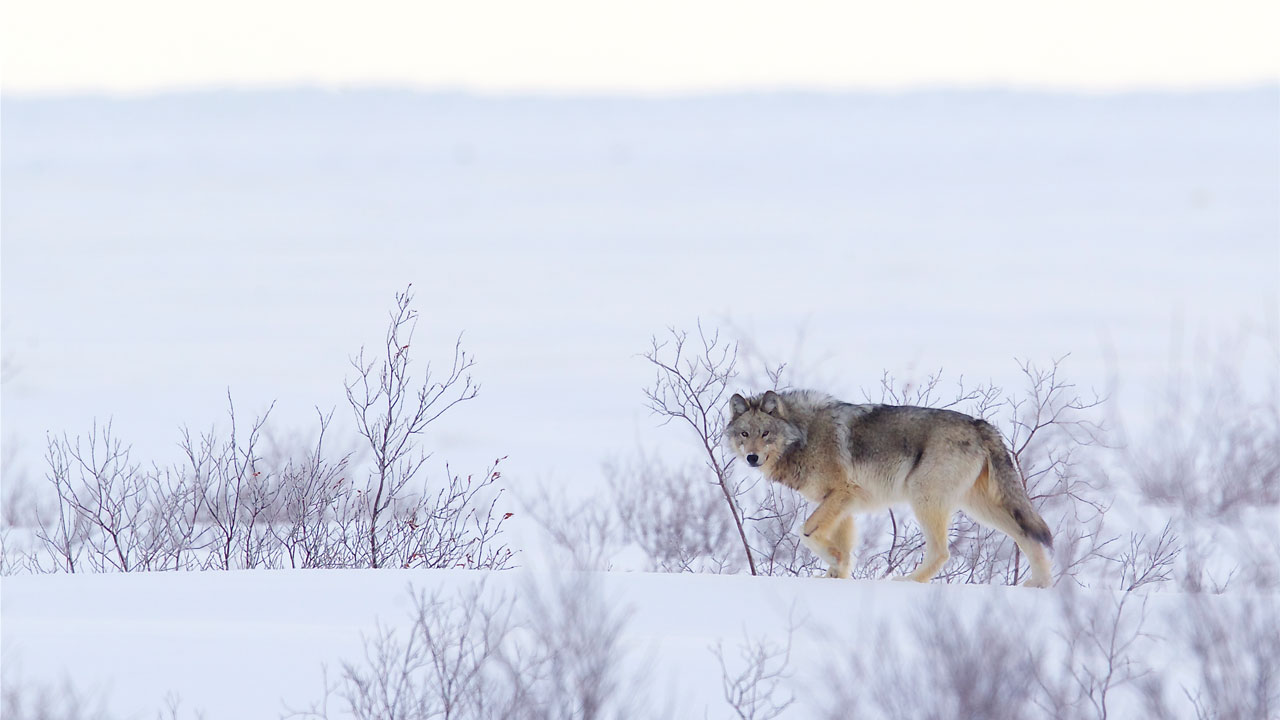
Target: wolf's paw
[
  {"x": 910, "y": 578},
  {"x": 834, "y": 572}
]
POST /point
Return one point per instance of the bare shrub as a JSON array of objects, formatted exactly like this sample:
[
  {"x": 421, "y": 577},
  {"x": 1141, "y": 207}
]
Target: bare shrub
[
  {"x": 235, "y": 491},
  {"x": 392, "y": 413},
  {"x": 554, "y": 654},
  {"x": 1215, "y": 446},
  {"x": 113, "y": 515},
  {"x": 1211, "y": 460},
  {"x": 458, "y": 526},
  {"x": 227, "y": 505},
  {"x": 755, "y": 690},
  {"x": 63, "y": 537},
  {"x": 18, "y": 503},
  {"x": 1002, "y": 664},
  {"x": 979, "y": 400},
  {"x": 22, "y": 699},
  {"x": 25, "y": 699},
  {"x": 1237, "y": 657},
  {"x": 954, "y": 669},
  {"x": 775, "y": 523},
  {"x": 571, "y": 664},
  {"x": 1149, "y": 560},
  {"x": 442, "y": 667},
  {"x": 173, "y": 710},
  {"x": 1105, "y": 639},
  {"x": 671, "y": 515},
  {"x": 691, "y": 385},
  {"x": 103, "y": 502},
  {"x": 585, "y": 532},
  {"x": 315, "y": 505}
]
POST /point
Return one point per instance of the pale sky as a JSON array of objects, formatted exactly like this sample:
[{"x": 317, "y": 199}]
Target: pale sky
[{"x": 654, "y": 46}]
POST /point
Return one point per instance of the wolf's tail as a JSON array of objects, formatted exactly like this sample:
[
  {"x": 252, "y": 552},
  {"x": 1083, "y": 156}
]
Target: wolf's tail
[{"x": 1012, "y": 496}]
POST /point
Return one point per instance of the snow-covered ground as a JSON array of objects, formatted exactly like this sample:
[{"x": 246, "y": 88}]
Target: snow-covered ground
[
  {"x": 160, "y": 251},
  {"x": 253, "y": 644}
]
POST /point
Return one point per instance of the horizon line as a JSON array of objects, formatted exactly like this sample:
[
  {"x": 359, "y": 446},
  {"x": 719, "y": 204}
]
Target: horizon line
[{"x": 602, "y": 93}]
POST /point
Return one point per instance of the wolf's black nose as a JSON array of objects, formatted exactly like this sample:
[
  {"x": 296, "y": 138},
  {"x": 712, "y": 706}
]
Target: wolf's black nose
[{"x": 753, "y": 459}]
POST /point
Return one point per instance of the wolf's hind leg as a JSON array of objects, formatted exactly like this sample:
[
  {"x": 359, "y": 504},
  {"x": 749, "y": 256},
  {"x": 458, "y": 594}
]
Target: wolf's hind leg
[
  {"x": 935, "y": 521},
  {"x": 982, "y": 508},
  {"x": 842, "y": 539}
]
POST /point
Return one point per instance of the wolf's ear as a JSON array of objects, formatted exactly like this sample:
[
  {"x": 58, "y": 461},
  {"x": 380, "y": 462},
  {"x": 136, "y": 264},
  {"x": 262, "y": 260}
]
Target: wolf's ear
[
  {"x": 772, "y": 404},
  {"x": 737, "y": 405}
]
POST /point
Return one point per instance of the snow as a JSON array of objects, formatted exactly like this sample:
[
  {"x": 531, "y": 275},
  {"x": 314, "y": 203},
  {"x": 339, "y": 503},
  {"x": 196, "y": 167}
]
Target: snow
[
  {"x": 247, "y": 644},
  {"x": 160, "y": 251},
  {"x": 239, "y": 644}
]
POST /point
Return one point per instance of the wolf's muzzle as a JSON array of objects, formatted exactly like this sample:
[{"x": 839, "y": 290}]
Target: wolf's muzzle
[{"x": 753, "y": 460}]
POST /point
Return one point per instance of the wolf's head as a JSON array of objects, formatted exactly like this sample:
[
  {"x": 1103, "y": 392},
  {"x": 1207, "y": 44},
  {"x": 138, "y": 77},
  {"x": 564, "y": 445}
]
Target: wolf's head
[{"x": 760, "y": 428}]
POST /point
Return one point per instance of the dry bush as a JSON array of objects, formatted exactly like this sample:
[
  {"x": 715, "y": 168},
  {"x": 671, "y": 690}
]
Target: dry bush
[
  {"x": 1003, "y": 664},
  {"x": 775, "y": 524},
  {"x": 1106, "y": 646},
  {"x": 27, "y": 700},
  {"x": 443, "y": 667},
  {"x": 173, "y": 710},
  {"x": 954, "y": 669},
  {"x": 24, "y": 699},
  {"x": 1211, "y": 461},
  {"x": 232, "y": 496},
  {"x": 1215, "y": 446},
  {"x": 229, "y": 505},
  {"x": 105, "y": 511},
  {"x": 1237, "y": 657},
  {"x": 316, "y": 506},
  {"x": 554, "y": 653},
  {"x": 1147, "y": 560},
  {"x": 571, "y": 664},
  {"x": 672, "y": 515},
  {"x": 691, "y": 386},
  {"x": 584, "y": 533},
  {"x": 756, "y": 689},
  {"x": 391, "y": 413},
  {"x": 19, "y": 505}
]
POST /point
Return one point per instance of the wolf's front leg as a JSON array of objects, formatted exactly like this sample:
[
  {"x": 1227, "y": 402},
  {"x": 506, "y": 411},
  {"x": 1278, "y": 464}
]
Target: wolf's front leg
[{"x": 829, "y": 533}]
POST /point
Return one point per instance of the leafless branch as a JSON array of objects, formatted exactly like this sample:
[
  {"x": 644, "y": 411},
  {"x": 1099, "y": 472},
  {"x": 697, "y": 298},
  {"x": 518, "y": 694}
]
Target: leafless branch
[
  {"x": 691, "y": 385},
  {"x": 755, "y": 690},
  {"x": 391, "y": 415}
]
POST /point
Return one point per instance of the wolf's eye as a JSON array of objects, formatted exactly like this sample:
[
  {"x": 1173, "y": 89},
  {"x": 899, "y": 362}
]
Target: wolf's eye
[
  {"x": 764, "y": 434},
  {"x": 744, "y": 433}
]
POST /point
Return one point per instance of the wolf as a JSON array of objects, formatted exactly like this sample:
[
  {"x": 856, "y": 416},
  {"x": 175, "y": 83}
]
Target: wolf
[{"x": 851, "y": 459}]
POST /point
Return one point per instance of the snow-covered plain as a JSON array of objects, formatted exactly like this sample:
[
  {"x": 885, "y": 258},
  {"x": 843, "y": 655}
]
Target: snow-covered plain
[
  {"x": 158, "y": 251},
  {"x": 252, "y": 644}
]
